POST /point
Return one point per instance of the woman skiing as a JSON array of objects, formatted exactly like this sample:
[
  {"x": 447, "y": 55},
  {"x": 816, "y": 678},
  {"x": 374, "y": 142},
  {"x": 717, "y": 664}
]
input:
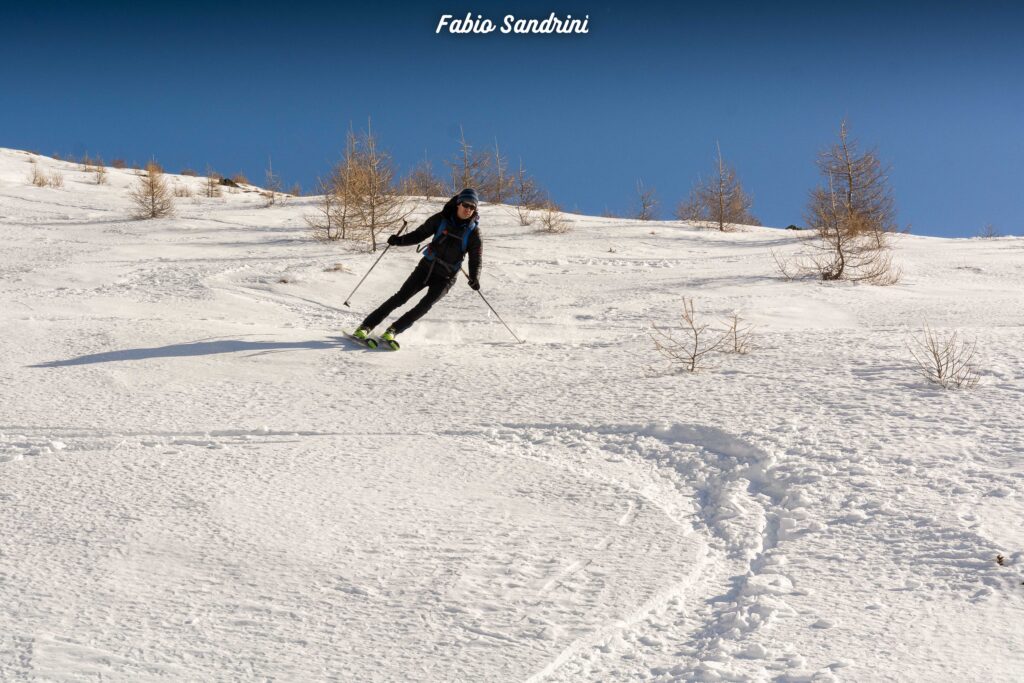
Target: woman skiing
[{"x": 455, "y": 232}]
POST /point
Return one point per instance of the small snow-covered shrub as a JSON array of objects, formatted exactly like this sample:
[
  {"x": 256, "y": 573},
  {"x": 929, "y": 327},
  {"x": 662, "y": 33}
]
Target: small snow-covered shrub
[{"x": 946, "y": 360}]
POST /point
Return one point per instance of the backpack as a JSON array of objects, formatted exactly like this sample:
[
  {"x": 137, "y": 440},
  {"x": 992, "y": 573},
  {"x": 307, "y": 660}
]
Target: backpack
[{"x": 447, "y": 248}]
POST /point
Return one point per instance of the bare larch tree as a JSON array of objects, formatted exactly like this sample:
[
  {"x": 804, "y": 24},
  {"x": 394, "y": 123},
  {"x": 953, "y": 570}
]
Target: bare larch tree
[
  {"x": 151, "y": 195},
  {"x": 854, "y": 215},
  {"x": 375, "y": 202},
  {"x": 720, "y": 200},
  {"x": 421, "y": 182},
  {"x": 526, "y": 194},
  {"x": 648, "y": 202},
  {"x": 469, "y": 168}
]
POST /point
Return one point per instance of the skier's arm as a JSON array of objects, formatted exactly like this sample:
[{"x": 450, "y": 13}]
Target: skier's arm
[
  {"x": 428, "y": 229},
  {"x": 476, "y": 251}
]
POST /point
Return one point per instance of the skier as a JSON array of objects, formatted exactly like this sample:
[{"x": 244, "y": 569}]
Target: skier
[{"x": 455, "y": 233}]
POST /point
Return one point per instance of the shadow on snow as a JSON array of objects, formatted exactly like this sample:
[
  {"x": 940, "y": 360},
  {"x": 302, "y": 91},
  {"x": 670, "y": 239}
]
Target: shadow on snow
[{"x": 201, "y": 348}]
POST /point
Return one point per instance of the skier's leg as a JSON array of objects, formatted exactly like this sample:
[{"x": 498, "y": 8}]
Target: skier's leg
[
  {"x": 414, "y": 283},
  {"x": 438, "y": 288}
]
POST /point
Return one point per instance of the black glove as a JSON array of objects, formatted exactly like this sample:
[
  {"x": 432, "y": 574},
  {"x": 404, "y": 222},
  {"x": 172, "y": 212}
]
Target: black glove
[
  {"x": 392, "y": 240},
  {"x": 474, "y": 284}
]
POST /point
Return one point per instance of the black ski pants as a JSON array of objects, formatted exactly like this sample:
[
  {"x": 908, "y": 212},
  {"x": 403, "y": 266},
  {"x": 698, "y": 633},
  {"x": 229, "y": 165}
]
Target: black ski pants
[{"x": 436, "y": 280}]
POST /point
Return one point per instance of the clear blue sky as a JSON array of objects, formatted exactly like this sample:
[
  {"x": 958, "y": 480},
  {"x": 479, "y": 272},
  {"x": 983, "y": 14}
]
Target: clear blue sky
[{"x": 937, "y": 87}]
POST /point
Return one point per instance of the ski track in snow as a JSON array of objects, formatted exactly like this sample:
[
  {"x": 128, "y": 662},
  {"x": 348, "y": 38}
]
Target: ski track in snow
[{"x": 200, "y": 478}]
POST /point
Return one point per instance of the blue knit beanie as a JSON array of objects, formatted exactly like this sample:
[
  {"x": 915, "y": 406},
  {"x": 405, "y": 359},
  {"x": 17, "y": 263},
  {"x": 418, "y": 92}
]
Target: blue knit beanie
[{"x": 469, "y": 196}]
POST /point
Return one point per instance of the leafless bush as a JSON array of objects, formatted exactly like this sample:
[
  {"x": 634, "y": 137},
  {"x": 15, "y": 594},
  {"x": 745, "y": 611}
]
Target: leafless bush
[
  {"x": 552, "y": 219},
  {"x": 328, "y": 223},
  {"x": 295, "y": 190},
  {"x": 119, "y": 163},
  {"x": 695, "y": 342},
  {"x": 36, "y": 176},
  {"x": 737, "y": 336},
  {"x": 690, "y": 209},
  {"x": 946, "y": 360},
  {"x": 989, "y": 232},
  {"x": 182, "y": 190},
  {"x": 240, "y": 179},
  {"x": 189, "y": 172},
  {"x": 41, "y": 178},
  {"x": 647, "y": 201},
  {"x": 150, "y": 194},
  {"x": 719, "y": 201},
  {"x": 835, "y": 252}
]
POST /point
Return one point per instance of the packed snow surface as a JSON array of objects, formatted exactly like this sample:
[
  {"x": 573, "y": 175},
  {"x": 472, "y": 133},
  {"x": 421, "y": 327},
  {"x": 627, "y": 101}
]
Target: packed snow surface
[{"x": 201, "y": 478}]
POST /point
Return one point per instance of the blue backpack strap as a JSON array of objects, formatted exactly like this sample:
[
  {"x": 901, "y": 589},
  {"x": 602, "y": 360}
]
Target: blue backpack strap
[
  {"x": 465, "y": 236},
  {"x": 428, "y": 253},
  {"x": 442, "y": 228}
]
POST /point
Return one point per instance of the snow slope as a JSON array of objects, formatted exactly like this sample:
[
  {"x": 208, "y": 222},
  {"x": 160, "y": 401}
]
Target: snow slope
[{"x": 201, "y": 479}]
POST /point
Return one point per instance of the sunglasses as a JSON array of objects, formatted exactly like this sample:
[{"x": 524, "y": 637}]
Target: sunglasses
[{"x": 467, "y": 205}]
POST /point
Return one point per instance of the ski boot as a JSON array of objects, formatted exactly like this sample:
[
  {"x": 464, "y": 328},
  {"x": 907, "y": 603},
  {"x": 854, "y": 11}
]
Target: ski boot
[
  {"x": 389, "y": 338},
  {"x": 363, "y": 334}
]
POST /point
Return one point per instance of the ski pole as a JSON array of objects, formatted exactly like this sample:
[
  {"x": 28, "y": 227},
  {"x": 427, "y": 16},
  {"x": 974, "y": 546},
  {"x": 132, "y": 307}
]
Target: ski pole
[
  {"x": 521, "y": 341},
  {"x": 346, "y": 302}
]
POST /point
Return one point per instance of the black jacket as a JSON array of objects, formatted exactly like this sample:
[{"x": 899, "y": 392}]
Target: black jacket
[{"x": 429, "y": 229}]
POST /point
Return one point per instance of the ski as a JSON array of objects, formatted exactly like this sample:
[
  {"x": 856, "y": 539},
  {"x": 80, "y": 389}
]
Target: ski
[{"x": 368, "y": 342}]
